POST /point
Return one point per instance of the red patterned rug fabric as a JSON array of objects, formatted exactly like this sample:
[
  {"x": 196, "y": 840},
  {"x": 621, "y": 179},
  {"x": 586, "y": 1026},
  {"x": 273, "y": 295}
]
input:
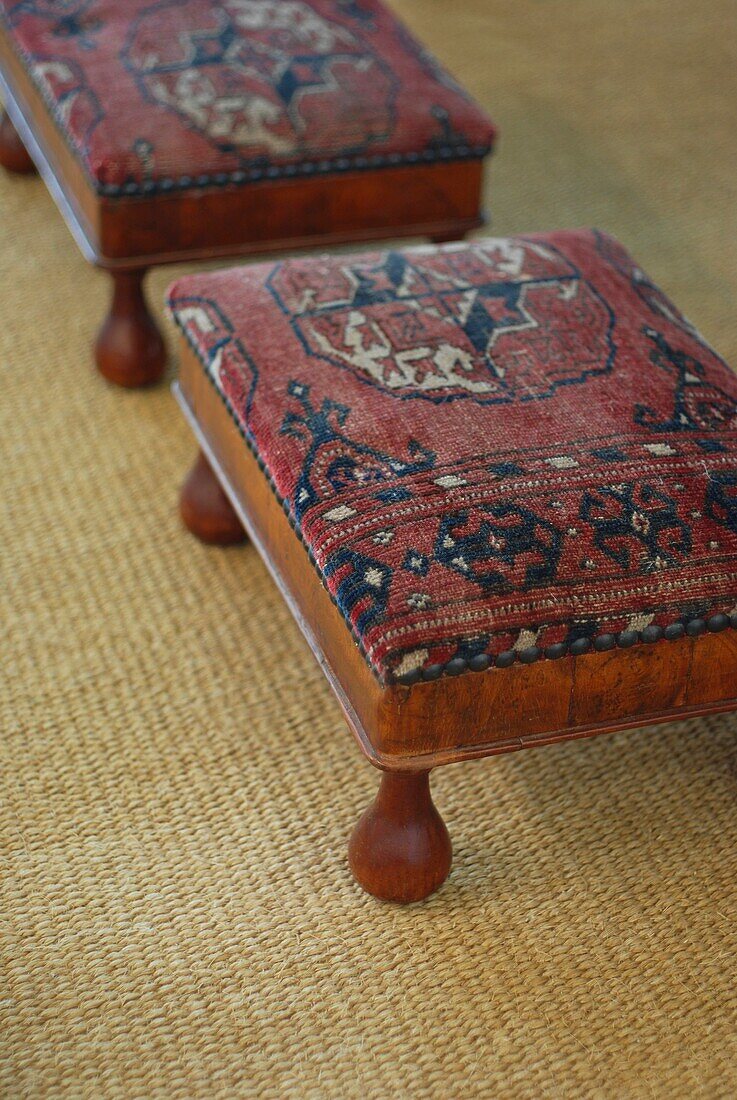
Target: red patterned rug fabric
[
  {"x": 494, "y": 451},
  {"x": 181, "y": 93}
]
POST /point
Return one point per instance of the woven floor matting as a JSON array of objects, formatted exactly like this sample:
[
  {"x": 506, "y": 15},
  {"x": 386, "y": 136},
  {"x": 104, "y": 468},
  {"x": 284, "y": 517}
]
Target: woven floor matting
[{"x": 176, "y": 913}]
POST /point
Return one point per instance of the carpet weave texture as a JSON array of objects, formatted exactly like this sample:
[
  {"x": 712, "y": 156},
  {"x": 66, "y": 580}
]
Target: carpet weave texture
[
  {"x": 509, "y": 445},
  {"x": 176, "y": 783},
  {"x": 180, "y": 93}
]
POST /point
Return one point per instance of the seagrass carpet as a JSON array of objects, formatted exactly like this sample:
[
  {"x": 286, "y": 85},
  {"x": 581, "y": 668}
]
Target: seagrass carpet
[{"x": 176, "y": 783}]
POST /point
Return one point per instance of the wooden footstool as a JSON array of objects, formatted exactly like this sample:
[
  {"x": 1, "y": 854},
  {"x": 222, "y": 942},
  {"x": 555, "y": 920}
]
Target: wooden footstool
[
  {"x": 189, "y": 129},
  {"x": 497, "y": 485}
]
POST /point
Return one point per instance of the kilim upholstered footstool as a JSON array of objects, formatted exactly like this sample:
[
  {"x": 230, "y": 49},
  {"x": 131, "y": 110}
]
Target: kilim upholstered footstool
[
  {"x": 188, "y": 129},
  {"x": 497, "y": 485}
]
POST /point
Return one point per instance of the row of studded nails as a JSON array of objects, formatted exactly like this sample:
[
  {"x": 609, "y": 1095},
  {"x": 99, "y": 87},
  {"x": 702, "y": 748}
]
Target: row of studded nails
[
  {"x": 600, "y": 644},
  {"x": 304, "y": 168}
]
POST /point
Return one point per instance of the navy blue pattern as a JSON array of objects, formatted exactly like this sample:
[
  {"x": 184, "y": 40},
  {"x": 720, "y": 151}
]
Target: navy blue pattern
[
  {"x": 333, "y": 462},
  {"x": 362, "y": 587},
  {"x": 500, "y": 547},
  {"x": 474, "y": 327},
  {"x": 625, "y": 519},
  {"x": 721, "y": 499},
  {"x": 697, "y": 404},
  {"x": 218, "y": 77}
]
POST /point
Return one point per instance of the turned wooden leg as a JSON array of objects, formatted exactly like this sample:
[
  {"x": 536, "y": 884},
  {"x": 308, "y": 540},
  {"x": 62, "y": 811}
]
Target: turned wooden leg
[
  {"x": 400, "y": 849},
  {"x": 205, "y": 509},
  {"x": 129, "y": 349},
  {"x": 13, "y": 154}
]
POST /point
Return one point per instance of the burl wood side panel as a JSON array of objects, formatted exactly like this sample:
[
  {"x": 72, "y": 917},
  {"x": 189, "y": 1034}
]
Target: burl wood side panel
[
  {"x": 452, "y": 714},
  {"x": 646, "y": 679},
  {"x": 713, "y": 673},
  {"x": 415, "y": 200},
  {"x": 317, "y": 210},
  {"x": 557, "y": 700}
]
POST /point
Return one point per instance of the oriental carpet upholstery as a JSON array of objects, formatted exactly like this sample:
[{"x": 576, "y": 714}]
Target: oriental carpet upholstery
[
  {"x": 174, "y": 95},
  {"x": 497, "y": 451}
]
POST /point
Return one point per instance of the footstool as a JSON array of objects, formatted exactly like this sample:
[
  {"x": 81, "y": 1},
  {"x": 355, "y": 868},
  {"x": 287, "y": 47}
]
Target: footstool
[
  {"x": 496, "y": 483},
  {"x": 189, "y": 129}
]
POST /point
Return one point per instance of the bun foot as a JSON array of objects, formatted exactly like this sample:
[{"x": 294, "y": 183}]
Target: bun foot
[
  {"x": 400, "y": 849},
  {"x": 14, "y": 156},
  {"x": 205, "y": 509},
  {"x": 129, "y": 349}
]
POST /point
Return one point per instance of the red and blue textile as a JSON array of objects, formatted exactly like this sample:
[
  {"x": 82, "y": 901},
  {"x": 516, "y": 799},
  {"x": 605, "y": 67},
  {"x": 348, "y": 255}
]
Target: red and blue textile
[
  {"x": 493, "y": 448},
  {"x": 190, "y": 93}
]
